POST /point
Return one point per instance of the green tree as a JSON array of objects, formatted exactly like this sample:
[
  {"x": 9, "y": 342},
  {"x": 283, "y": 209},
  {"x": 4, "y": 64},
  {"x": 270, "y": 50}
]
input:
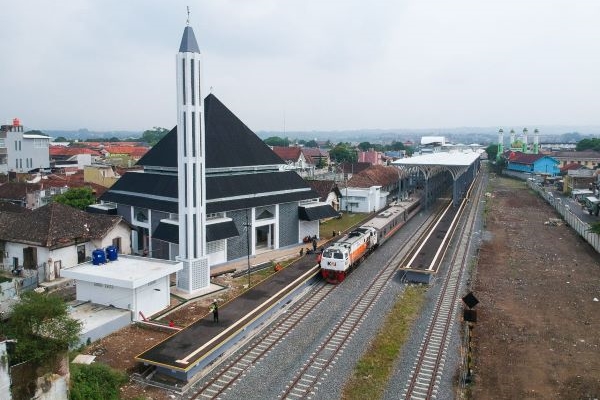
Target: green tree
[
  {"x": 154, "y": 135},
  {"x": 588, "y": 144},
  {"x": 95, "y": 382},
  {"x": 396, "y": 146},
  {"x": 492, "y": 151},
  {"x": 76, "y": 197},
  {"x": 277, "y": 141},
  {"x": 343, "y": 152},
  {"x": 364, "y": 146},
  {"x": 61, "y": 139},
  {"x": 41, "y": 326},
  {"x": 311, "y": 143}
]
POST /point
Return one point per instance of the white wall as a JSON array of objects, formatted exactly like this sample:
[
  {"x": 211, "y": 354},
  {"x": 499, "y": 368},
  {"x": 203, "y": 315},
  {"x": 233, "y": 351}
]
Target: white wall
[
  {"x": 105, "y": 294},
  {"x": 4, "y": 373},
  {"x": 151, "y": 298}
]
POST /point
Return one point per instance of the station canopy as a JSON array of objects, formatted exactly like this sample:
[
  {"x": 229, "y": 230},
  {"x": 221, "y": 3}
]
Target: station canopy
[{"x": 431, "y": 164}]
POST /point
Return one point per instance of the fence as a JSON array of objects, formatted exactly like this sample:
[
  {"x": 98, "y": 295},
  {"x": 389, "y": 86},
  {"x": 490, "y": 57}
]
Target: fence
[{"x": 570, "y": 218}]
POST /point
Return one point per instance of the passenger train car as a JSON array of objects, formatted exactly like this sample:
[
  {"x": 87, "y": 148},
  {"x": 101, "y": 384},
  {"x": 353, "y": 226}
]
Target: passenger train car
[{"x": 342, "y": 256}]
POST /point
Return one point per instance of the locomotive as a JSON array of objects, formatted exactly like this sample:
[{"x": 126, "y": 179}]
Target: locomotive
[{"x": 346, "y": 253}]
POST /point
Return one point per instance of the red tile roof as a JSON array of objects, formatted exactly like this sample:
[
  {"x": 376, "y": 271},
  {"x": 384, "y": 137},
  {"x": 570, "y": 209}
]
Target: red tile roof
[
  {"x": 71, "y": 151},
  {"x": 323, "y": 188},
  {"x": 524, "y": 158},
  {"x": 54, "y": 225},
  {"x": 375, "y": 175},
  {"x": 287, "y": 153}
]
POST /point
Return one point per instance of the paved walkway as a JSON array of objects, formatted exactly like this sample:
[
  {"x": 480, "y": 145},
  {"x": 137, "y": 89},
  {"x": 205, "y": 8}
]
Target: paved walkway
[{"x": 287, "y": 253}]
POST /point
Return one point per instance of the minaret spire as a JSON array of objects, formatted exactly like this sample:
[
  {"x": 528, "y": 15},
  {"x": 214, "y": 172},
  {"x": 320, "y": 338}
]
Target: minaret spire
[{"x": 190, "y": 167}]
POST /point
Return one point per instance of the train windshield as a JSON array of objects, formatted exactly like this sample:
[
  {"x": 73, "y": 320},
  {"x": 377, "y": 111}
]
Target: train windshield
[{"x": 333, "y": 254}]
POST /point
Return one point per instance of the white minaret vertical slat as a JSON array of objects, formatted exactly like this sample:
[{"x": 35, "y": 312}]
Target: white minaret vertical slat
[{"x": 190, "y": 167}]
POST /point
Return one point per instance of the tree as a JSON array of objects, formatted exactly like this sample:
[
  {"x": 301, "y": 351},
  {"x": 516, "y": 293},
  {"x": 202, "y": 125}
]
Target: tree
[
  {"x": 396, "y": 146},
  {"x": 76, "y": 197},
  {"x": 41, "y": 326},
  {"x": 343, "y": 152},
  {"x": 588, "y": 144},
  {"x": 61, "y": 139},
  {"x": 154, "y": 135},
  {"x": 277, "y": 141},
  {"x": 311, "y": 143},
  {"x": 492, "y": 151},
  {"x": 364, "y": 146}
]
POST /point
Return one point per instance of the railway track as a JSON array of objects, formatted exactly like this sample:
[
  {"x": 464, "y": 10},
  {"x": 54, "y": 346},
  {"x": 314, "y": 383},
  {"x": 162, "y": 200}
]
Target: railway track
[
  {"x": 426, "y": 373},
  {"x": 306, "y": 380},
  {"x": 324, "y": 357},
  {"x": 260, "y": 347}
]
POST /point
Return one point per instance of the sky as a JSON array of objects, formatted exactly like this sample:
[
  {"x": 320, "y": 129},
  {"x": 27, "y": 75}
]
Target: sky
[{"x": 304, "y": 65}]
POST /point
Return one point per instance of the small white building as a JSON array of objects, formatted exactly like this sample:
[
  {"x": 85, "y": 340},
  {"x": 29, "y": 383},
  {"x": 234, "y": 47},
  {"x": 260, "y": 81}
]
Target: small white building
[
  {"x": 364, "y": 200},
  {"x": 138, "y": 284}
]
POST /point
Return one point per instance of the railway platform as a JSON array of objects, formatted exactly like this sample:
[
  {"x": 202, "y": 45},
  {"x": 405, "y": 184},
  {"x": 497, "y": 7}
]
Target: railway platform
[{"x": 180, "y": 358}]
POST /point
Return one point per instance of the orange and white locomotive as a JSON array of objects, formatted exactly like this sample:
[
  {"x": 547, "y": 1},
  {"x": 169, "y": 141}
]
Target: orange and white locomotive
[{"x": 346, "y": 253}]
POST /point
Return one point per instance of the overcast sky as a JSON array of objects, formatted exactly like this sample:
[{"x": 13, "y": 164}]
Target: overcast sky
[{"x": 304, "y": 64}]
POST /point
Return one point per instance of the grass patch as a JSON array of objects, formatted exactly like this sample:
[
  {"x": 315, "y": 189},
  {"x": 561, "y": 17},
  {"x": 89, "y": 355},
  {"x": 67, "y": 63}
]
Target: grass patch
[
  {"x": 327, "y": 228},
  {"x": 373, "y": 370}
]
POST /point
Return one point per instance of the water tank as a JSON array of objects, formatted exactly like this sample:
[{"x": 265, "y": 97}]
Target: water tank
[
  {"x": 16, "y": 122},
  {"x": 98, "y": 257},
  {"x": 112, "y": 253}
]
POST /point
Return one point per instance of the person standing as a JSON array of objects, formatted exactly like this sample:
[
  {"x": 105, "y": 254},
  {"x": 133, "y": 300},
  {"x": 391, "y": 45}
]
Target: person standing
[
  {"x": 215, "y": 310},
  {"x": 314, "y": 243}
]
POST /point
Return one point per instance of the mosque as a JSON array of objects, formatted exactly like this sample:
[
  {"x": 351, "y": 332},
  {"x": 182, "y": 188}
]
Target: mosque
[{"x": 211, "y": 191}]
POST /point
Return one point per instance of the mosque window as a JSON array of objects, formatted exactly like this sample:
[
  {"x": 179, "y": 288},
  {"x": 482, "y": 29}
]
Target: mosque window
[
  {"x": 183, "y": 80},
  {"x": 193, "y": 83}
]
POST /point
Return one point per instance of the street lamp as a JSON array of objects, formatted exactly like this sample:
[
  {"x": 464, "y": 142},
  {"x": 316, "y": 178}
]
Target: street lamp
[{"x": 247, "y": 225}]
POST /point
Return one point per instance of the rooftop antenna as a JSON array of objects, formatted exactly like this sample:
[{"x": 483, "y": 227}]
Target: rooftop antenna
[{"x": 187, "y": 22}]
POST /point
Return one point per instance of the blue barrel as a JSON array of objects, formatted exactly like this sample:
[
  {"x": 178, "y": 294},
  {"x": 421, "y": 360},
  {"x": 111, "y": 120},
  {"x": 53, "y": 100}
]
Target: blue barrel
[
  {"x": 112, "y": 253},
  {"x": 98, "y": 257}
]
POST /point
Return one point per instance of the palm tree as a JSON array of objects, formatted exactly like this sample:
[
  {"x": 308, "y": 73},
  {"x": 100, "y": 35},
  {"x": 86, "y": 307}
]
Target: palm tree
[{"x": 595, "y": 228}]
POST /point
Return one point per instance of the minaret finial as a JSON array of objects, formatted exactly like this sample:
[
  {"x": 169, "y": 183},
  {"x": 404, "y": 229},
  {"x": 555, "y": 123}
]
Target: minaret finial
[{"x": 187, "y": 22}]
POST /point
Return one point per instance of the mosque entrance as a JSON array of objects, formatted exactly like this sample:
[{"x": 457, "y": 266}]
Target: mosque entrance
[{"x": 264, "y": 238}]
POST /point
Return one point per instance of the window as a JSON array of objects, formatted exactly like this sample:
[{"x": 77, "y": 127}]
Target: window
[
  {"x": 184, "y": 135},
  {"x": 193, "y": 134},
  {"x": 80, "y": 253},
  {"x": 16, "y": 148},
  {"x": 117, "y": 243},
  {"x": 193, "y": 83},
  {"x": 183, "y": 80},
  {"x": 19, "y": 145},
  {"x": 141, "y": 215}
]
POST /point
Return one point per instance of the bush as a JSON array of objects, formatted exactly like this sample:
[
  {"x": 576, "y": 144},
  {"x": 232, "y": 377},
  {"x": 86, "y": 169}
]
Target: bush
[{"x": 95, "y": 382}]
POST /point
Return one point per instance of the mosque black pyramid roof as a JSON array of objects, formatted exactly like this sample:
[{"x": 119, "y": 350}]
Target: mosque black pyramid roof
[
  {"x": 229, "y": 142},
  {"x": 257, "y": 180}
]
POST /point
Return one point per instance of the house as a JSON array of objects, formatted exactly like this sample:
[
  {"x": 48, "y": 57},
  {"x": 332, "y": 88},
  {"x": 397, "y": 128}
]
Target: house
[
  {"x": 21, "y": 151},
  {"x": 53, "y": 237},
  {"x": 328, "y": 192},
  {"x": 100, "y": 174},
  {"x": 589, "y": 158},
  {"x": 316, "y": 157},
  {"x": 30, "y": 195},
  {"x": 293, "y": 157},
  {"x": 531, "y": 163},
  {"x": 370, "y": 156},
  {"x": 371, "y": 189}
]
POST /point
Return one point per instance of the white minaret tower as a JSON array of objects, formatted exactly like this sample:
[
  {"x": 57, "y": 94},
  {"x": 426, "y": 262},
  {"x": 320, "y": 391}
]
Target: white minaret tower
[
  {"x": 525, "y": 144},
  {"x": 536, "y": 141},
  {"x": 190, "y": 167}
]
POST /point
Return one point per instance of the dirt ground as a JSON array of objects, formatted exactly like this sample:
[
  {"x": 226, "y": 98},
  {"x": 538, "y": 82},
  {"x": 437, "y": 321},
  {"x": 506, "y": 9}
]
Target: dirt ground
[{"x": 538, "y": 329}]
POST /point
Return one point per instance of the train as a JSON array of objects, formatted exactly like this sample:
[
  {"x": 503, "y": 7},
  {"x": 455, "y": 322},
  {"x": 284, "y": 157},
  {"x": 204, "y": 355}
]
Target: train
[{"x": 339, "y": 258}]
